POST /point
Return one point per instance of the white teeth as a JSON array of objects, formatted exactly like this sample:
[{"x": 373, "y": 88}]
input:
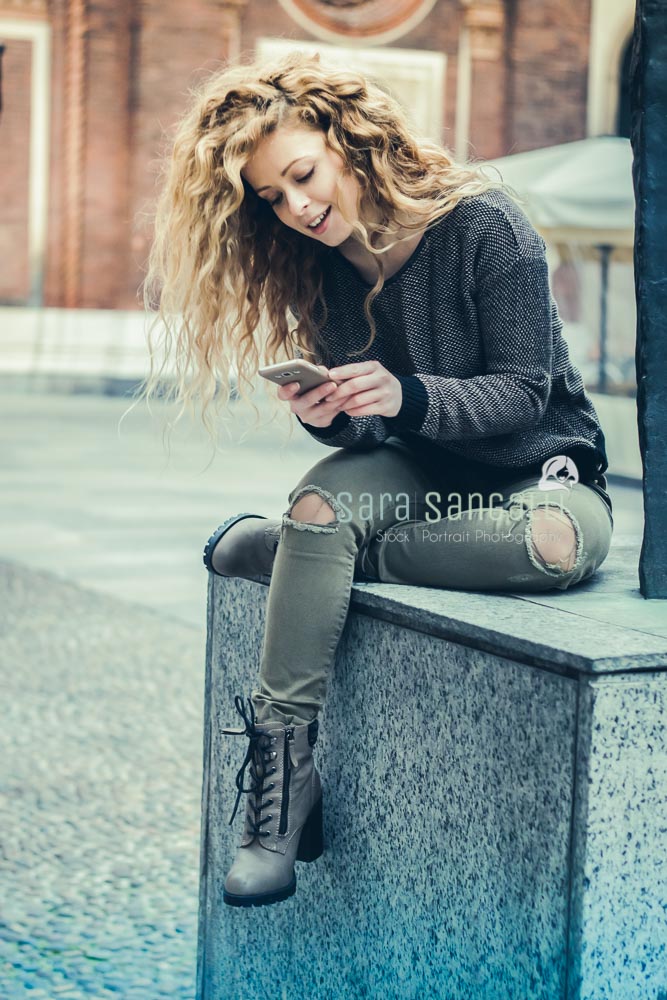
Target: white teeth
[{"x": 313, "y": 225}]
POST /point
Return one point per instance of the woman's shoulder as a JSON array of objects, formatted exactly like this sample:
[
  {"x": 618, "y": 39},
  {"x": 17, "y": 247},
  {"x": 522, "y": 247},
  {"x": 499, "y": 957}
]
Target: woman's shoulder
[{"x": 494, "y": 218}]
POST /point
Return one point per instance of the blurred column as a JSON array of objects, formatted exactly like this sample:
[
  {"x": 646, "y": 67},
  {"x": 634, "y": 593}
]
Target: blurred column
[
  {"x": 175, "y": 46},
  {"x": 649, "y": 143},
  {"x": 97, "y": 119},
  {"x": 73, "y": 142},
  {"x": 482, "y": 80},
  {"x": 230, "y": 27}
]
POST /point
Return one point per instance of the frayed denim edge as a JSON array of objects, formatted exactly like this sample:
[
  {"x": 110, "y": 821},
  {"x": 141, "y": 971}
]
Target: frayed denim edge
[{"x": 325, "y": 529}]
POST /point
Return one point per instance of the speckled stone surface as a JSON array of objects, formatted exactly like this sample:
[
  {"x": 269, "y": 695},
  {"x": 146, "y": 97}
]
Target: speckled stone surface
[
  {"x": 619, "y": 888},
  {"x": 494, "y": 828},
  {"x": 447, "y": 779},
  {"x": 612, "y": 595}
]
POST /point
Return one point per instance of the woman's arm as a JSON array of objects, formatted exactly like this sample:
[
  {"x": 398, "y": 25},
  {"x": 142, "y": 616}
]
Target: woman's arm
[
  {"x": 515, "y": 316},
  {"x": 515, "y": 323}
]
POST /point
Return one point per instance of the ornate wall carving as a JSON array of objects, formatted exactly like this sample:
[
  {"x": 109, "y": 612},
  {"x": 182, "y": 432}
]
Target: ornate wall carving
[{"x": 367, "y": 20}]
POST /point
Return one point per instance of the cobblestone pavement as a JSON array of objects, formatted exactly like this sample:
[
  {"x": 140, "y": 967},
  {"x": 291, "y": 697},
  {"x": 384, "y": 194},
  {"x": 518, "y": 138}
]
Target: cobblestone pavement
[{"x": 101, "y": 743}]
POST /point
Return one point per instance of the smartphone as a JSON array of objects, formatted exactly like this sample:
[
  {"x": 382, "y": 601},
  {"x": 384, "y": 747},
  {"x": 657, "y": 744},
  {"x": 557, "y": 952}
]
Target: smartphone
[{"x": 308, "y": 375}]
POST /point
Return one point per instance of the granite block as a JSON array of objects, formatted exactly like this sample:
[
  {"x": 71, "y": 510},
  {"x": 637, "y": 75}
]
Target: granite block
[
  {"x": 618, "y": 932},
  {"x": 494, "y": 824},
  {"x": 448, "y": 777}
]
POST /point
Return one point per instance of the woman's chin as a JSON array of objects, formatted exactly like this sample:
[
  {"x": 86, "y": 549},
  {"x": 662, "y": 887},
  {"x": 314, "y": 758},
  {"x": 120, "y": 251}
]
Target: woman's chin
[{"x": 344, "y": 237}]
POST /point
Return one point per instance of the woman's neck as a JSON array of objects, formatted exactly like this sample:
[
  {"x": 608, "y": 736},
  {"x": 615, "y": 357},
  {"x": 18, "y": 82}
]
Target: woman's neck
[{"x": 366, "y": 263}]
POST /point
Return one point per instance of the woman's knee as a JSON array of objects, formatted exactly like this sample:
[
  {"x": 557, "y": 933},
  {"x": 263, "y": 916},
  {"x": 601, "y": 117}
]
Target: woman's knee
[
  {"x": 554, "y": 539},
  {"x": 313, "y": 508},
  {"x": 570, "y": 541},
  {"x": 315, "y": 498},
  {"x": 314, "y": 505}
]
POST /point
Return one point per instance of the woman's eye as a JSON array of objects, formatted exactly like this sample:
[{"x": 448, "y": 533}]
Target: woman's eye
[{"x": 299, "y": 180}]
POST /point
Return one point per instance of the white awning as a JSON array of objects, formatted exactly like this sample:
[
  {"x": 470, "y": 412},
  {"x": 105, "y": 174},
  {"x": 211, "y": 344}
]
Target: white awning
[{"x": 578, "y": 192}]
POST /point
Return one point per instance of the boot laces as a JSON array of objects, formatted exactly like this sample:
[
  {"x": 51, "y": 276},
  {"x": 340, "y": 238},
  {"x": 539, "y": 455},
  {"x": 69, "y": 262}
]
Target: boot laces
[{"x": 257, "y": 758}]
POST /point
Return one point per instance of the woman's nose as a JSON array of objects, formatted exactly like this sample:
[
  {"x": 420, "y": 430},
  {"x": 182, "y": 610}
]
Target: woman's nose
[{"x": 298, "y": 203}]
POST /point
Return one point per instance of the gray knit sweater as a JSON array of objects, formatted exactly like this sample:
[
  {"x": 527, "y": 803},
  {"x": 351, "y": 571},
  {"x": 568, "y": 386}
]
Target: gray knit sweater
[{"x": 470, "y": 328}]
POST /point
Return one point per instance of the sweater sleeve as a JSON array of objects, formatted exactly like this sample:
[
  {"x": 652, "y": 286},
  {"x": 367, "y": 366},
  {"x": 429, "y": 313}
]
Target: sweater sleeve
[
  {"x": 514, "y": 309},
  {"x": 350, "y": 432}
]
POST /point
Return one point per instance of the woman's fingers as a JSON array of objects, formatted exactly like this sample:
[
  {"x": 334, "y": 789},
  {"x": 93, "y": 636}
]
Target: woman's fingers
[
  {"x": 314, "y": 408},
  {"x": 375, "y": 380},
  {"x": 308, "y": 401},
  {"x": 292, "y": 390},
  {"x": 360, "y": 400},
  {"x": 288, "y": 391},
  {"x": 375, "y": 392},
  {"x": 314, "y": 399},
  {"x": 358, "y": 368}
]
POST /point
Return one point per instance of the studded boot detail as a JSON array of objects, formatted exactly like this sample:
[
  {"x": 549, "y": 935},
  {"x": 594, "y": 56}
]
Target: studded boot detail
[{"x": 283, "y": 817}]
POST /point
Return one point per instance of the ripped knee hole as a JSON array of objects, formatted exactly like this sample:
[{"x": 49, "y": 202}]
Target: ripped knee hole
[
  {"x": 313, "y": 509},
  {"x": 555, "y": 539}
]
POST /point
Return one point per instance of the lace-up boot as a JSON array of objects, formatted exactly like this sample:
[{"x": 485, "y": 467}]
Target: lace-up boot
[{"x": 283, "y": 817}]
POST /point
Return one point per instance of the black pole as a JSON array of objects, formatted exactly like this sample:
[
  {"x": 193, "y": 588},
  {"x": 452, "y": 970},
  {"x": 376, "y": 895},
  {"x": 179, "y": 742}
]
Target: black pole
[
  {"x": 649, "y": 144},
  {"x": 605, "y": 254}
]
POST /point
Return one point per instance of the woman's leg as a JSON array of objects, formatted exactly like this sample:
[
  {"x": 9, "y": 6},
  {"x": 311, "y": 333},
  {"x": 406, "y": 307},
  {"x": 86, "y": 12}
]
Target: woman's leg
[
  {"x": 332, "y": 513},
  {"x": 335, "y": 510},
  {"x": 518, "y": 538}
]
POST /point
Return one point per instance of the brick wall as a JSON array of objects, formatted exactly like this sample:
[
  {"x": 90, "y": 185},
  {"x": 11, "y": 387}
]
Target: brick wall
[
  {"x": 54, "y": 272},
  {"x": 174, "y": 44},
  {"x": 548, "y": 76},
  {"x": 140, "y": 59}
]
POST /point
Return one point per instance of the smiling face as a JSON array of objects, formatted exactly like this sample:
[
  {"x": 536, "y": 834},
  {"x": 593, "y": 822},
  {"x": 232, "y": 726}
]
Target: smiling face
[{"x": 294, "y": 170}]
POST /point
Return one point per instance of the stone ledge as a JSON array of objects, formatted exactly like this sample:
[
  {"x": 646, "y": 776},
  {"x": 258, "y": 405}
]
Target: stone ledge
[
  {"x": 551, "y": 638},
  {"x": 571, "y": 632}
]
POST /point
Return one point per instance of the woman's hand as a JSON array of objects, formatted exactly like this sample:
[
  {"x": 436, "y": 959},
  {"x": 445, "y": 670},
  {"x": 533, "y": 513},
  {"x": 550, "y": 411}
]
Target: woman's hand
[
  {"x": 366, "y": 388},
  {"x": 313, "y": 407}
]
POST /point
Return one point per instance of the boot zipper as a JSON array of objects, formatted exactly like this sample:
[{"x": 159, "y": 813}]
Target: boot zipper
[{"x": 287, "y": 765}]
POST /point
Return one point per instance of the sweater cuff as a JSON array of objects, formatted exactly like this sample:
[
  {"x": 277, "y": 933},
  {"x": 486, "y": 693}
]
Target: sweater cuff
[
  {"x": 338, "y": 424},
  {"x": 413, "y": 409}
]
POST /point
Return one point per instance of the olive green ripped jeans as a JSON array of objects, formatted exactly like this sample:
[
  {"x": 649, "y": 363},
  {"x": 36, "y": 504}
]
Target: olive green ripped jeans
[{"x": 384, "y": 520}]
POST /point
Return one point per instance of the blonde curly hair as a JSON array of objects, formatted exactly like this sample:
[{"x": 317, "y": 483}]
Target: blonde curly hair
[{"x": 224, "y": 272}]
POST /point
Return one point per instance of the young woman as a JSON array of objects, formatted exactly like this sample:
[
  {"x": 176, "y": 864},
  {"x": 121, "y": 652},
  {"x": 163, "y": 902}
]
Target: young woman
[{"x": 468, "y": 452}]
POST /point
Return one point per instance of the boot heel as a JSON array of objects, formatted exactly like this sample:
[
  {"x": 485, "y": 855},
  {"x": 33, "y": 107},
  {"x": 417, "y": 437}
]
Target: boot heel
[{"x": 311, "y": 842}]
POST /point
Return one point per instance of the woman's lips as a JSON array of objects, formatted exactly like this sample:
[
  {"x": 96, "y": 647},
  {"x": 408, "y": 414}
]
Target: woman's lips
[{"x": 323, "y": 224}]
